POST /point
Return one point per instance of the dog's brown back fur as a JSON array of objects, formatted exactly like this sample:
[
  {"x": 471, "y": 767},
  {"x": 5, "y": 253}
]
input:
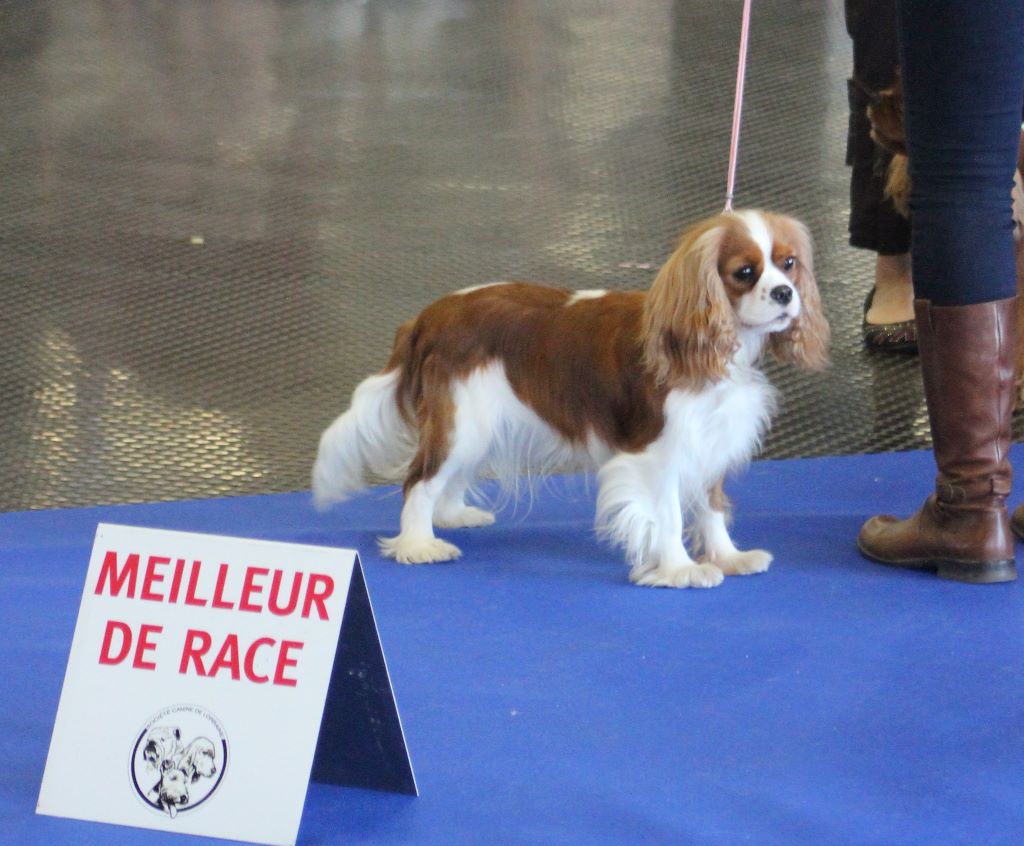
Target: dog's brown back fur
[{"x": 589, "y": 358}]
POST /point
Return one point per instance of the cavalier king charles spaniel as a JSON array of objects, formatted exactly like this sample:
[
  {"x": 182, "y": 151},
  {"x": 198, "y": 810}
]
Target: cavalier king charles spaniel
[{"x": 658, "y": 391}]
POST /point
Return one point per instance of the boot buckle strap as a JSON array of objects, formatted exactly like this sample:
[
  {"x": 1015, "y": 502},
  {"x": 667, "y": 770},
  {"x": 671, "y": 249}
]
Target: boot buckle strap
[
  {"x": 955, "y": 494},
  {"x": 950, "y": 494}
]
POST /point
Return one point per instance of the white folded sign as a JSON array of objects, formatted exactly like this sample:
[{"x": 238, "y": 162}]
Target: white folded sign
[{"x": 197, "y": 681}]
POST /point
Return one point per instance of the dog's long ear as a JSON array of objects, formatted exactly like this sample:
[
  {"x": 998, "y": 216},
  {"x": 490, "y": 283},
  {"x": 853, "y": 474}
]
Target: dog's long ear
[
  {"x": 897, "y": 184},
  {"x": 805, "y": 342},
  {"x": 689, "y": 327}
]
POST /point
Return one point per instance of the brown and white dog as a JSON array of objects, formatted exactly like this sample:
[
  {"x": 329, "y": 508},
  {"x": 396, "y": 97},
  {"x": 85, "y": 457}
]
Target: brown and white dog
[{"x": 657, "y": 391}]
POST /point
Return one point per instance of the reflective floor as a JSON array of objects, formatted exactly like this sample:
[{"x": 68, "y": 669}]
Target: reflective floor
[{"x": 213, "y": 213}]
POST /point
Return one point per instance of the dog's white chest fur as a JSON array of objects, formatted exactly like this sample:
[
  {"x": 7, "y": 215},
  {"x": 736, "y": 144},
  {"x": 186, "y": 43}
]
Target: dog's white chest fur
[{"x": 711, "y": 432}]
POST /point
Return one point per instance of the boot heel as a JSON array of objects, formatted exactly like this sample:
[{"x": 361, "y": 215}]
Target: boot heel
[{"x": 978, "y": 572}]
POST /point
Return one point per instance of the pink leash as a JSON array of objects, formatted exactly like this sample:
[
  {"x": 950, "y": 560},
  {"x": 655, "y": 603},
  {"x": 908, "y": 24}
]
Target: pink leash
[{"x": 737, "y": 106}]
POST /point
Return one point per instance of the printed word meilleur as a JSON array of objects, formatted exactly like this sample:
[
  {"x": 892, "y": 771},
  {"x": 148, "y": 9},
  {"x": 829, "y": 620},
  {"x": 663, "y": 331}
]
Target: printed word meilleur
[{"x": 178, "y": 580}]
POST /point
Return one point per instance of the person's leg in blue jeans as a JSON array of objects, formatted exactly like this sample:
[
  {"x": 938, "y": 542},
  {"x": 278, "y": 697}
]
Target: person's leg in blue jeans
[{"x": 963, "y": 78}]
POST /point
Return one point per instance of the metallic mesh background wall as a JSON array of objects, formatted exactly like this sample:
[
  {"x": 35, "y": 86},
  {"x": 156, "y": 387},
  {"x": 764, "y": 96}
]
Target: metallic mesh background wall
[{"x": 213, "y": 214}]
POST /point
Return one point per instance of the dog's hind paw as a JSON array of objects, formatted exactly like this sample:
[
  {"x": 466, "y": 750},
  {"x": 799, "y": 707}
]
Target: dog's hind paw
[
  {"x": 418, "y": 550},
  {"x": 687, "y": 575}
]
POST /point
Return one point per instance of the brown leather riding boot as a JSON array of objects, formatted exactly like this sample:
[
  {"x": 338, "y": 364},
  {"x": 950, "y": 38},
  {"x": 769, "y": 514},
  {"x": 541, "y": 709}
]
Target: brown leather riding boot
[{"x": 963, "y": 529}]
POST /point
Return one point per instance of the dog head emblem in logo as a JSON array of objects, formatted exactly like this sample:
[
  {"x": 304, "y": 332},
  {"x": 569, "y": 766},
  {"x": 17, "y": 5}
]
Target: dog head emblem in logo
[{"x": 179, "y": 759}]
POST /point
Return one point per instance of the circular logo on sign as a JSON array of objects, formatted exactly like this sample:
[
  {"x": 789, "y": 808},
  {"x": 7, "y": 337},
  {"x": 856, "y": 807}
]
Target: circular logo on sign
[{"x": 179, "y": 759}]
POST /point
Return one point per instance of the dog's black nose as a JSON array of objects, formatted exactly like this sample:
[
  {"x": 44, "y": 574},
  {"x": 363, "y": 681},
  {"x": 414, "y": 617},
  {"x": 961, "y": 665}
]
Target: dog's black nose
[{"x": 782, "y": 294}]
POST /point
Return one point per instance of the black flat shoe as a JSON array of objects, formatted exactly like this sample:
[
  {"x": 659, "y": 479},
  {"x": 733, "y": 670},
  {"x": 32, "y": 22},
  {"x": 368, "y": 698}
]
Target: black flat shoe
[{"x": 888, "y": 337}]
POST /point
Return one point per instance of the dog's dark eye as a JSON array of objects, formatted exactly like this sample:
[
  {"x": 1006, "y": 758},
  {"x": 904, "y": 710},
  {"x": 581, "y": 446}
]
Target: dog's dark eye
[
  {"x": 789, "y": 263},
  {"x": 746, "y": 274}
]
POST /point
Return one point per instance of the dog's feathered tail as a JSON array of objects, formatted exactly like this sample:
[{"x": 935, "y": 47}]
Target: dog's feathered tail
[{"x": 371, "y": 442}]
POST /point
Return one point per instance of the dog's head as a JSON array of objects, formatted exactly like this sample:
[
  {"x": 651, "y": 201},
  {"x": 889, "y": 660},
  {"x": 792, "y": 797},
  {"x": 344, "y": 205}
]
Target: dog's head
[
  {"x": 172, "y": 791},
  {"x": 199, "y": 760},
  {"x": 738, "y": 276},
  {"x": 162, "y": 743}
]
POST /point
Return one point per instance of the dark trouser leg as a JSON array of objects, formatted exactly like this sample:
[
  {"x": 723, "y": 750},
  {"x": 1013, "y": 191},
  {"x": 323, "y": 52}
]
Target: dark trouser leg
[{"x": 963, "y": 72}]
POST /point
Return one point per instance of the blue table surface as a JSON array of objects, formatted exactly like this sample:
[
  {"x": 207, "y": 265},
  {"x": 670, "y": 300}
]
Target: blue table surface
[{"x": 546, "y": 700}]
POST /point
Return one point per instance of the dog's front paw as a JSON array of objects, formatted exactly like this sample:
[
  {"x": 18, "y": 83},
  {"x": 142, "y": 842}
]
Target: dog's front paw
[
  {"x": 468, "y": 517},
  {"x": 418, "y": 550},
  {"x": 682, "y": 576},
  {"x": 744, "y": 563}
]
